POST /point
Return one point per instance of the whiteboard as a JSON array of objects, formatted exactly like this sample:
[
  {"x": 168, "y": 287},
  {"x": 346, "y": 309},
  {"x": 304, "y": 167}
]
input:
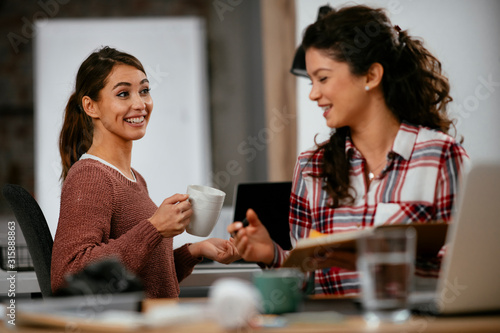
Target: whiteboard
[{"x": 175, "y": 151}]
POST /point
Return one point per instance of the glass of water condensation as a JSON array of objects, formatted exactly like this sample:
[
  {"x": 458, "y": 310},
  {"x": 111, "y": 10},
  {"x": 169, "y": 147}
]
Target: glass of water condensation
[{"x": 386, "y": 261}]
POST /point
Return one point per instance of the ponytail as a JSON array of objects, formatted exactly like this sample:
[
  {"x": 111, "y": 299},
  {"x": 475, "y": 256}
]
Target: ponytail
[
  {"x": 76, "y": 134},
  {"x": 414, "y": 86}
]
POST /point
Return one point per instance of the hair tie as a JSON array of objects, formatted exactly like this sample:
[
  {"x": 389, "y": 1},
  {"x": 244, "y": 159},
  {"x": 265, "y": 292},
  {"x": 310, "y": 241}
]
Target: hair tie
[
  {"x": 399, "y": 42},
  {"x": 400, "y": 38}
]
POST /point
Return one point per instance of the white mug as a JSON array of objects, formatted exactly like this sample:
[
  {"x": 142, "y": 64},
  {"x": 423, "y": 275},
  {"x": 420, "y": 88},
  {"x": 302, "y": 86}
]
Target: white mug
[{"x": 206, "y": 203}]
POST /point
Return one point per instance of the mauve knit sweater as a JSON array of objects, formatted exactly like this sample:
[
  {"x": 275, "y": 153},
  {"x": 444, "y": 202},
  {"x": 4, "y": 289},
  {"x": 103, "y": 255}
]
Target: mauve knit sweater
[{"x": 105, "y": 214}]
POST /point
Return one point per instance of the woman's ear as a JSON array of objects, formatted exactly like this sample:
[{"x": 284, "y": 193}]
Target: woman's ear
[
  {"x": 374, "y": 75},
  {"x": 90, "y": 107}
]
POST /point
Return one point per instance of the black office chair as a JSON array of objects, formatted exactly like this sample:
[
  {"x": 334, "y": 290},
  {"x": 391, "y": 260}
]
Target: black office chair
[{"x": 35, "y": 230}]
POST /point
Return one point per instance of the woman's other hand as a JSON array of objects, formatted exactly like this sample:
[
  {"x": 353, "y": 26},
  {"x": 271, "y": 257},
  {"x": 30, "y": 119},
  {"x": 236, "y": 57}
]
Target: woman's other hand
[
  {"x": 253, "y": 242},
  {"x": 220, "y": 250},
  {"x": 173, "y": 215}
]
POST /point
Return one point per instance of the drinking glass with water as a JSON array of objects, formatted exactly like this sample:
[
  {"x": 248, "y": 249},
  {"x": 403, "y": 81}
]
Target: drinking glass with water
[{"x": 386, "y": 265}]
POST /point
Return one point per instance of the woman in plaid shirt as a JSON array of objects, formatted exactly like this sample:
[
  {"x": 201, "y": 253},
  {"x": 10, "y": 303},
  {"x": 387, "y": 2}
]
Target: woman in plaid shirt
[{"x": 389, "y": 158}]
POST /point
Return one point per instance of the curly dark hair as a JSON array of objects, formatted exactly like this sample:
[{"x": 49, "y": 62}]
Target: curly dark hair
[{"x": 414, "y": 87}]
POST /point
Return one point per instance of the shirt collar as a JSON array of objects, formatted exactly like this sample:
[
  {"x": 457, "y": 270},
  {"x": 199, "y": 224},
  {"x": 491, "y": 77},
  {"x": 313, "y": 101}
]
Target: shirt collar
[
  {"x": 350, "y": 146},
  {"x": 405, "y": 140},
  {"x": 403, "y": 144}
]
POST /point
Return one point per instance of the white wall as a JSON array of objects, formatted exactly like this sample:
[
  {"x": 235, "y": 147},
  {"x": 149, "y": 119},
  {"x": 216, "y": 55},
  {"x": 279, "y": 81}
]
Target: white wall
[
  {"x": 463, "y": 35},
  {"x": 176, "y": 149}
]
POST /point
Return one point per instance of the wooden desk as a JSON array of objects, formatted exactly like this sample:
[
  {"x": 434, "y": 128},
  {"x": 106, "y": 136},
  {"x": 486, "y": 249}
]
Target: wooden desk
[{"x": 350, "y": 323}]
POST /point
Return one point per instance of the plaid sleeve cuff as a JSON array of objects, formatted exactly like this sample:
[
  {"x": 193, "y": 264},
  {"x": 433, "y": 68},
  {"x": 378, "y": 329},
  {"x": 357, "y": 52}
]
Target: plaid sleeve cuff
[{"x": 280, "y": 256}]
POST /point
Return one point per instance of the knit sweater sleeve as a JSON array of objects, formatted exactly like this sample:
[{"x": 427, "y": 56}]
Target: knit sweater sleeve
[
  {"x": 184, "y": 262},
  {"x": 85, "y": 224}
]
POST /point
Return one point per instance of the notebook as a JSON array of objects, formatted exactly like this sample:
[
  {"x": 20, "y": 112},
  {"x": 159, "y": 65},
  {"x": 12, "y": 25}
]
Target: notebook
[
  {"x": 271, "y": 202},
  {"x": 469, "y": 279}
]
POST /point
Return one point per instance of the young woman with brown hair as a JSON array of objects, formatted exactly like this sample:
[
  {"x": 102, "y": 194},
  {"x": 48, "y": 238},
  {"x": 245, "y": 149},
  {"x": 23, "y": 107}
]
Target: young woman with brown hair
[
  {"x": 106, "y": 210},
  {"x": 389, "y": 158}
]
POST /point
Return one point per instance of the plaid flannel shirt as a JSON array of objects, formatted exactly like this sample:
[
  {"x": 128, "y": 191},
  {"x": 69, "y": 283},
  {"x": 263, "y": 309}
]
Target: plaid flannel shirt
[{"x": 418, "y": 184}]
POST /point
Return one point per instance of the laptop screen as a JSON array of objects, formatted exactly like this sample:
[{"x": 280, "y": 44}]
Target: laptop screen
[{"x": 271, "y": 202}]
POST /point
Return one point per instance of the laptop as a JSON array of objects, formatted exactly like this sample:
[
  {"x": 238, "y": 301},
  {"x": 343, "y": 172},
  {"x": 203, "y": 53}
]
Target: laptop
[
  {"x": 469, "y": 278},
  {"x": 271, "y": 202}
]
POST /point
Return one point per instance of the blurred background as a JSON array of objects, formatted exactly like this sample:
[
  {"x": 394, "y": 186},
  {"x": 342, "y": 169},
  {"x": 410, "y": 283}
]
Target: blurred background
[
  {"x": 233, "y": 61},
  {"x": 258, "y": 115}
]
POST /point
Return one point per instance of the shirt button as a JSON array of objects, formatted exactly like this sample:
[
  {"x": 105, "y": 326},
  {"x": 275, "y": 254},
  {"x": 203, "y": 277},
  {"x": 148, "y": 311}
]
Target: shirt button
[{"x": 359, "y": 225}]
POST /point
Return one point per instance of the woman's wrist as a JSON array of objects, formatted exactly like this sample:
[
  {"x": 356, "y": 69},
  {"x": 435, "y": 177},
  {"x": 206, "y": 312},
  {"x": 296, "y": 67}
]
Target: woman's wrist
[
  {"x": 195, "y": 250},
  {"x": 270, "y": 257},
  {"x": 154, "y": 222}
]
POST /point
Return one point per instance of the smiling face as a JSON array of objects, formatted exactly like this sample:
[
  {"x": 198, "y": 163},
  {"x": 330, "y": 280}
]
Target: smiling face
[
  {"x": 340, "y": 94},
  {"x": 124, "y": 106}
]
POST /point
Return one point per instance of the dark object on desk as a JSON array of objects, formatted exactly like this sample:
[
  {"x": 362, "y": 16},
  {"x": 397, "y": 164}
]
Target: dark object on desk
[
  {"x": 299, "y": 60},
  {"x": 271, "y": 202},
  {"x": 107, "y": 276},
  {"x": 35, "y": 230}
]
